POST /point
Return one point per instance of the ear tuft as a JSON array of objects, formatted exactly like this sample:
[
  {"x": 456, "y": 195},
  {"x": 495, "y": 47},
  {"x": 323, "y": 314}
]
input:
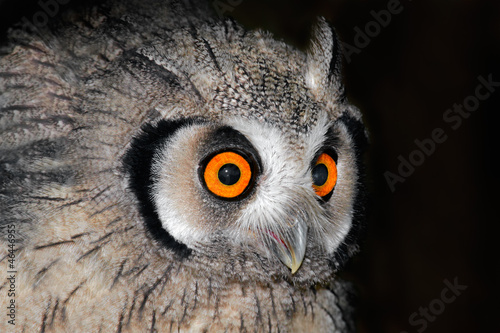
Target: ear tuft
[{"x": 324, "y": 59}]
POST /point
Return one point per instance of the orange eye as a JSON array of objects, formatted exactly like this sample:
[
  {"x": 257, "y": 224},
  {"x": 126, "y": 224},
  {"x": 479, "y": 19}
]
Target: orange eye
[
  {"x": 227, "y": 174},
  {"x": 324, "y": 175}
]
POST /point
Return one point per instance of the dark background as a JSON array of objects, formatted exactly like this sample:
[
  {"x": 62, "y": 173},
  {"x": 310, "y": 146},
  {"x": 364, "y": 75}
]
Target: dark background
[{"x": 441, "y": 222}]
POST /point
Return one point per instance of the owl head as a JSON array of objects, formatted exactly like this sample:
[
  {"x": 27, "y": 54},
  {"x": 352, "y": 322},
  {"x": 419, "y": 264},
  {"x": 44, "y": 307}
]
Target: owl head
[{"x": 254, "y": 162}]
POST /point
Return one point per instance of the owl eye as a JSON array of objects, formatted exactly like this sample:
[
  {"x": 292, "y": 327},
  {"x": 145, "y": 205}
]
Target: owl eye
[
  {"x": 324, "y": 175},
  {"x": 228, "y": 174}
]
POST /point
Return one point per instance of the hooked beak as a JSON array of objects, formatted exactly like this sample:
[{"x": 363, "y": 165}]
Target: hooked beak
[{"x": 290, "y": 247}]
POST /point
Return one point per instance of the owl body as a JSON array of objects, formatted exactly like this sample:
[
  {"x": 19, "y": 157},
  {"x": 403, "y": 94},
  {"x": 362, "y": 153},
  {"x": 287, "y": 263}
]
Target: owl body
[{"x": 112, "y": 121}]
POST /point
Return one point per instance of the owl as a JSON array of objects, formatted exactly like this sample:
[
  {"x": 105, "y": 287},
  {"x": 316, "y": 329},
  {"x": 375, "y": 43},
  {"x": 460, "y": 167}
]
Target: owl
[{"x": 162, "y": 169}]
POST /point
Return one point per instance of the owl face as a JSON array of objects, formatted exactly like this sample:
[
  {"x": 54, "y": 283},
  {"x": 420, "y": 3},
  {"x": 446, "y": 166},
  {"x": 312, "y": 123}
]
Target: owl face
[
  {"x": 264, "y": 159},
  {"x": 243, "y": 183}
]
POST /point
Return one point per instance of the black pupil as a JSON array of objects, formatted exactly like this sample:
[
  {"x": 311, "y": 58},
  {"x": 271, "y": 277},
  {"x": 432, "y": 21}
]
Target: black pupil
[
  {"x": 320, "y": 174},
  {"x": 229, "y": 174}
]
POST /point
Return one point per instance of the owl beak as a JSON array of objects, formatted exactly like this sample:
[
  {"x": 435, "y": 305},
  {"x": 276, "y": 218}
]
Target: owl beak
[{"x": 291, "y": 248}]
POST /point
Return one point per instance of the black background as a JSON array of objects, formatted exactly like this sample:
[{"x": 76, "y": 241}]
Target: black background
[{"x": 441, "y": 222}]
